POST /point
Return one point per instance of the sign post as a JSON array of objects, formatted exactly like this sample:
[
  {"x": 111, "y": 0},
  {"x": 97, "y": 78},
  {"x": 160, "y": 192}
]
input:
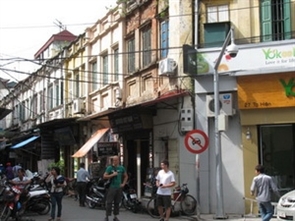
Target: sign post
[{"x": 196, "y": 141}]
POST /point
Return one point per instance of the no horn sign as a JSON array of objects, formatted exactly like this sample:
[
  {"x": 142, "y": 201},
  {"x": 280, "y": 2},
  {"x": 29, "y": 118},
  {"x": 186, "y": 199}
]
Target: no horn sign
[{"x": 196, "y": 141}]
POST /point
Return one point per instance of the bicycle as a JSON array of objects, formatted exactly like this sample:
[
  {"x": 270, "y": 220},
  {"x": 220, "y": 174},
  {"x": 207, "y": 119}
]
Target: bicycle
[{"x": 188, "y": 203}]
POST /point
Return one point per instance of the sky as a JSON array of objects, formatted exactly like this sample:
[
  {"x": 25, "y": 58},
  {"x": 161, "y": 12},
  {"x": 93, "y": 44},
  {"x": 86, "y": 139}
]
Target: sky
[{"x": 26, "y": 25}]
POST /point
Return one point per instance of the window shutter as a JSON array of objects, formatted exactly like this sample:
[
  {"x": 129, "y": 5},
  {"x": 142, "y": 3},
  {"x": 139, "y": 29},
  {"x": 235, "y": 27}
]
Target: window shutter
[
  {"x": 287, "y": 19},
  {"x": 266, "y": 20},
  {"x": 164, "y": 39}
]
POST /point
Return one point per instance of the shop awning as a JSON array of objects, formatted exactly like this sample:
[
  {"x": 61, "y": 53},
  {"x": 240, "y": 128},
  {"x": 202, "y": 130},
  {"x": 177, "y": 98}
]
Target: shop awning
[
  {"x": 4, "y": 112},
  {"x": 89, "y": 144},
  {"x": 25, "y": 142}
]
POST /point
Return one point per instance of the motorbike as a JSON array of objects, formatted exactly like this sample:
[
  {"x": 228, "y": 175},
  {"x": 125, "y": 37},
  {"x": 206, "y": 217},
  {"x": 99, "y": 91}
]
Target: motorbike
[
  {"x": 38, "y": 199},
  {"x": 129, "y": 198},
  {"x": 96, "y": 193},
  {"x": 10, "y": 205}
]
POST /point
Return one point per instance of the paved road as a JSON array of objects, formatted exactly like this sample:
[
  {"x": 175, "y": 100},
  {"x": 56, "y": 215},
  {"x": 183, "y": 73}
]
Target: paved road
[{"x": 72, "y": 212}]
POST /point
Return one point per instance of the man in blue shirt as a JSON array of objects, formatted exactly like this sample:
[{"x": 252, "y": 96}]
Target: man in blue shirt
[
  {"x": 263, "y": 186},
  {"x": 82, "y": 179}
]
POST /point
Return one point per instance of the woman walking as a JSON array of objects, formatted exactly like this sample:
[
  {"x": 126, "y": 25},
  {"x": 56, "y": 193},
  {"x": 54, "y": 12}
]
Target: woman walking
[{"x": 56, "y": 183}]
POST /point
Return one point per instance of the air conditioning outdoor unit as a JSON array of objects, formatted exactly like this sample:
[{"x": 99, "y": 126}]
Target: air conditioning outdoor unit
[
  {"x": 225, "y": 104},
  {"x": 77, "y": 106},
  {"x": 167, "y": 67}
]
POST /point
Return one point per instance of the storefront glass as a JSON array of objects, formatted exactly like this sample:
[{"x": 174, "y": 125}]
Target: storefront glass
[{"x": 277, "y": 154}]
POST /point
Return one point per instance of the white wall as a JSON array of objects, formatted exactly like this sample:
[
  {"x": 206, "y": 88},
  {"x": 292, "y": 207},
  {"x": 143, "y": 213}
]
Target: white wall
[{"x": 231, "y": 152}]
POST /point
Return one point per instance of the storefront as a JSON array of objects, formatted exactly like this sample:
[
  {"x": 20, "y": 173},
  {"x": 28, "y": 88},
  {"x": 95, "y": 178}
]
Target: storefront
[{"x": 267, "y": 107}]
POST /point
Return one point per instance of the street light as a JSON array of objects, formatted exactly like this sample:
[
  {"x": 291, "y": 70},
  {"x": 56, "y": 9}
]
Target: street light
[{"x": 232, "y": 50}]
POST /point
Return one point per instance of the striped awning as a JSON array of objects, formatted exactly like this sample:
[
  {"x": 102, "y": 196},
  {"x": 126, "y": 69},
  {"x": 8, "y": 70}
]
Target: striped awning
[{"x": 90, "y": 143}]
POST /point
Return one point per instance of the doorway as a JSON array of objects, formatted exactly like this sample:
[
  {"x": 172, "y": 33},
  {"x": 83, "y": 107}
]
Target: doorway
[{"x": 277, "y": 154}]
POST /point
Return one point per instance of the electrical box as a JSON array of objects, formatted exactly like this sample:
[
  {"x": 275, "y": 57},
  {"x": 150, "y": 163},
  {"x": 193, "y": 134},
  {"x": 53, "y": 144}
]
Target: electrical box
[{"x": 187, "y": 119}]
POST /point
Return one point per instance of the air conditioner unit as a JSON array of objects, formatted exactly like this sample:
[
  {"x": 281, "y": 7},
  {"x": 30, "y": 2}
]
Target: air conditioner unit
[
  {"x": 167, "y": 67},
  {"x": 225, "y": 104},
  {"x": 77, "y": 106}
]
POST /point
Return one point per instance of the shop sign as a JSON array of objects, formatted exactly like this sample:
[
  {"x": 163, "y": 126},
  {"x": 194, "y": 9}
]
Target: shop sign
[
  {"x": 107, "y": 148},
  {"x": 248, "y": 61},
  {"x": 266, "y": 91}
]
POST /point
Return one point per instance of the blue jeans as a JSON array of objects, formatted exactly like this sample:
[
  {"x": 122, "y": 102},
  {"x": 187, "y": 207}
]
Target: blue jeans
[
  {"x": 56, "y": 199},
  {"x": 266, "y": 210}
]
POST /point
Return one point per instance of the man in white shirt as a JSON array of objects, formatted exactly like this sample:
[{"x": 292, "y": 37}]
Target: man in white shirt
[{"x": 165, "y": 180}]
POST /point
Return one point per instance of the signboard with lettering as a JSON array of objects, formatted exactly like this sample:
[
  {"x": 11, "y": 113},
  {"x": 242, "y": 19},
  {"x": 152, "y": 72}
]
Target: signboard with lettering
[
  {"x": 130, "y": 120},
  {"x": 249, "y": 60},
  {"x": 266, "y": 91},
  {"x": 107, "y": 148}
]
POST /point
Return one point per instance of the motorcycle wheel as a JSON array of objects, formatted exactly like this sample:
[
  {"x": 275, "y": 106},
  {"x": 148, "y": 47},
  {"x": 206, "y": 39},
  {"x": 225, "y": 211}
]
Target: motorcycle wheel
[
  {"x": 5, "y": 212},
  {"x": 126, "y": 204},
  {"x": 46, "y": 205},
  {"x": 90, "y": 203}
]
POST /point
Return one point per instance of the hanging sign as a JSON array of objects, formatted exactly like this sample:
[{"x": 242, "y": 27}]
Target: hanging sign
[{"x": 196, "y": 141}]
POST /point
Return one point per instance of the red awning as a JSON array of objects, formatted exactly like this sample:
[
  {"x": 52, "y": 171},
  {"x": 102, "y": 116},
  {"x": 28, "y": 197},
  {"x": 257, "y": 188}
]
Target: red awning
[{"x": 89, "y": 144}]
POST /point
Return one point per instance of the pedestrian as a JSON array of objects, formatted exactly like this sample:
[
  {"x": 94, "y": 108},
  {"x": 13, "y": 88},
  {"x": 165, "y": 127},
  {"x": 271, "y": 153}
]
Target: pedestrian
[
  {"x": 82, "y": 179},
  {"x": 165, "y": 180},
  {"x": 57, "y": 183},
  {"x": 263, "y": 186},
  {"x": 118, "y": 176},
  {"x": 8, "y": 171}
]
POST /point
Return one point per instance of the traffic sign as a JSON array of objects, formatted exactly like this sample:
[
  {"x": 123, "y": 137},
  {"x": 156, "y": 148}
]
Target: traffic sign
[{"x": 196, "y": 141}]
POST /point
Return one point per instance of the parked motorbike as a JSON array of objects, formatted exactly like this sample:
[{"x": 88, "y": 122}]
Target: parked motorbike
[
  {"x": 96, "y": 193},
  {"x": 130, "y": 200},
  {"x": 38, "y": 199}
]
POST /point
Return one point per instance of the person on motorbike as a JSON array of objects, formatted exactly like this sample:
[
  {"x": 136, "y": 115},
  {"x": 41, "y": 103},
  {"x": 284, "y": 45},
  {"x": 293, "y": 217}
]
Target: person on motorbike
[{"x": 21, "y": 182}]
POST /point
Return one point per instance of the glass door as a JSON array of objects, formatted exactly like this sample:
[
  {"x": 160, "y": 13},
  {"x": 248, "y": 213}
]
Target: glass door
[{"x": 276, "y": 153}]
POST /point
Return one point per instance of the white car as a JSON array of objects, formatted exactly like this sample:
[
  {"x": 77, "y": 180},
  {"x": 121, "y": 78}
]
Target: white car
[{"x": 286, "y": 207}]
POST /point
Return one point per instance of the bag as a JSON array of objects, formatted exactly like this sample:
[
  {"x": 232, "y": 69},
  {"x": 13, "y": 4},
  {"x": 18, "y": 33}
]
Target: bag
[{"x": 108, "y": 182}]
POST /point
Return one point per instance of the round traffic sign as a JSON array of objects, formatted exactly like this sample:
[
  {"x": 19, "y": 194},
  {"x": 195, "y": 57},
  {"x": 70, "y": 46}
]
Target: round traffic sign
[{"x": 196, "y": 141}]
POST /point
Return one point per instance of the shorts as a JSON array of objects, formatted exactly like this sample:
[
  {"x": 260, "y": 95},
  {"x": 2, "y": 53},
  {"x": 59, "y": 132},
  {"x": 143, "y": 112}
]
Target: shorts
[{"x": 164, "y": 200}]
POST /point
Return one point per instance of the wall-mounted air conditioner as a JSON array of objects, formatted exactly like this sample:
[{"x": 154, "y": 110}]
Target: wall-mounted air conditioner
[
  {"x": 225, "y": 104},
  {"x": 167, "y": 67},
  {"x": 77, "y": 106}
]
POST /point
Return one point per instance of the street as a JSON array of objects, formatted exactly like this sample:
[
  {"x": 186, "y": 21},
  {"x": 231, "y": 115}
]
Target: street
[{"x": 72, "y": 212}]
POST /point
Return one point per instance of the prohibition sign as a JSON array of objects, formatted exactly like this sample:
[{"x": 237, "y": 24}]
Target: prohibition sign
[{"x": 196, "y": 141}]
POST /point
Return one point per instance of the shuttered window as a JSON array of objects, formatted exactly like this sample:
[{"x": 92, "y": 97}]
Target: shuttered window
[
  {"x": 164, "y": 38},
  {"x": 146, "y": 46},
  {"x": 131, "y": 55},
  {"x": 275, "y": 20}
]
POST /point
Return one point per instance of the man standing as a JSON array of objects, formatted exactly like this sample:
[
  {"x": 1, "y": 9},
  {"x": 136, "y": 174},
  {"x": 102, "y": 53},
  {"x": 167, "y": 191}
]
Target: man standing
[
  {"x": 263, "y": 186},
  {"x": 165, "y": 180},
  {"x": 115, "y": 172},
  {"x": 82, "y": 178}
]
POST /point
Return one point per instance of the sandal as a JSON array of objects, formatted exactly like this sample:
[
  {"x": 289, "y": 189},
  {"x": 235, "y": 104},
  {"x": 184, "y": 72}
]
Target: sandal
[
  {"x": 50, "y": 219},
  {"x": 58, "y": 219}
]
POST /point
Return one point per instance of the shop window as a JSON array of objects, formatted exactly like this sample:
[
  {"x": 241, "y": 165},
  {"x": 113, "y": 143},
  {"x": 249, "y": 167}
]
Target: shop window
[{"x": 277, "y": 154}]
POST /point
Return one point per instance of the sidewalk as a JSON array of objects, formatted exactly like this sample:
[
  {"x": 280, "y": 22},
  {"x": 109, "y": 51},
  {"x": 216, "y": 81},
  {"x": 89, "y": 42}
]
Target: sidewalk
[{"x": 72, "y": 212}]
